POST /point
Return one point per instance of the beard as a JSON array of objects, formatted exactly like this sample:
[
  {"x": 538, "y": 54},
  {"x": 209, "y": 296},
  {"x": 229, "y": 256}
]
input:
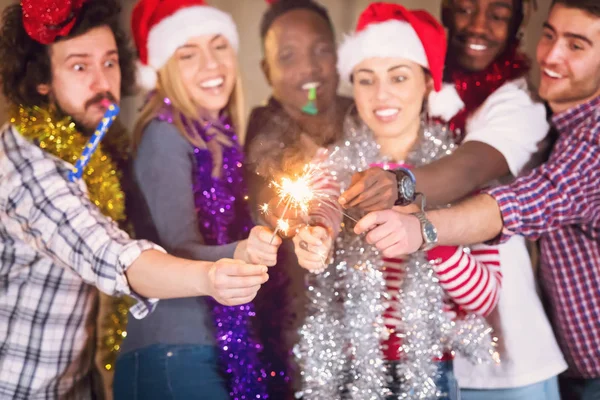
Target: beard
[{"x": 87, "y": 129}]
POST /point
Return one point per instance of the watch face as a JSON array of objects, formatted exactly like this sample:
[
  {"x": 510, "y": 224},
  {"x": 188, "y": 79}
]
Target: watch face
[
  {"x": 430, "y": 232},
  {"x": 408, "y": 188}
]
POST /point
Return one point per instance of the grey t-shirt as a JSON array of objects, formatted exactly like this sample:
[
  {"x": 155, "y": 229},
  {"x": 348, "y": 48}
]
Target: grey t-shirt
[{"x": 164, "y": 212}]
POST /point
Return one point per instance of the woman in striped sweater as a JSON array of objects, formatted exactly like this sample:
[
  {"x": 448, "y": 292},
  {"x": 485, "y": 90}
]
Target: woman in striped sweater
[{"x": 400, "y": 101}]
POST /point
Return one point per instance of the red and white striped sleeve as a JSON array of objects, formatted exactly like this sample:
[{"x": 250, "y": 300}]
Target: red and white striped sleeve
[{"x": 472, "y": 279}]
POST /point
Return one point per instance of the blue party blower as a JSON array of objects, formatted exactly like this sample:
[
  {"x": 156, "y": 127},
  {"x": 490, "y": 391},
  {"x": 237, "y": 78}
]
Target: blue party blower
[{"x": 107, "y": 120}]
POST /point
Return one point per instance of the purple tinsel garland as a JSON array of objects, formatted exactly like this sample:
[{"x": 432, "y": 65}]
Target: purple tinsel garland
[{"x": 224, "y": 217}]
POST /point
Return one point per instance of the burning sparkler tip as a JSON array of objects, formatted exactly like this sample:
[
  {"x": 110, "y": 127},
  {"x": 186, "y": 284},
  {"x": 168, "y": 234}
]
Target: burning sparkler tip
[{"x": 264, "y": 209}]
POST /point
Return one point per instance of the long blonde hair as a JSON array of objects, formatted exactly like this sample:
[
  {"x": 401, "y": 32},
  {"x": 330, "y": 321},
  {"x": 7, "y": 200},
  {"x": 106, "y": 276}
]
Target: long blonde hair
[{"x": 171, "y": 85}]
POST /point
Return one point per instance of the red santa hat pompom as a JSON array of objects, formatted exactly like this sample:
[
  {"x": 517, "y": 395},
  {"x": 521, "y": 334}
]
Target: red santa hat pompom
[
  {"x": 161, "y": 26},
  {"x": 390, "y": 30}
]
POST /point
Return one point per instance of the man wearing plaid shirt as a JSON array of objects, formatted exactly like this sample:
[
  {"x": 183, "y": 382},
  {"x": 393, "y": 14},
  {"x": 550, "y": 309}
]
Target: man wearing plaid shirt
[
  {"x": 56, "y": 248},
  {"x": 558, "y": 203}
]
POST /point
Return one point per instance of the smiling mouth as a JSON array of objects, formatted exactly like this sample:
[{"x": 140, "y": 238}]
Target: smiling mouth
[
  {"x": 552, "y": 74},
  {"x": 212, "y": 83},
  {"x": 386, "y": 115},
  {"x": 473, "y": 44},
  {"x": 477, "y": 47},
  {"x": 311, "y": 85},
  {"x": 386, "y": 112}
]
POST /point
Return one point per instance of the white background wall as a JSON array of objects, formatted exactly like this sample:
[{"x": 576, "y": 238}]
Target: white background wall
[{"x": 247, "y": 14}]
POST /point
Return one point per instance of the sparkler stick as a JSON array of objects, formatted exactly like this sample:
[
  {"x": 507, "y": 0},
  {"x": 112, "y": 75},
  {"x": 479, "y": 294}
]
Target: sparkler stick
[
  {"x": 282, "y": 224},
  {"x": 324, "y": 203}
]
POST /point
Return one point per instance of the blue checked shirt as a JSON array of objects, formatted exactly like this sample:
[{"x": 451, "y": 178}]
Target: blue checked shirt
[
  {"x": 56, "y": 251},
  {"x": 559, "y": 203}
]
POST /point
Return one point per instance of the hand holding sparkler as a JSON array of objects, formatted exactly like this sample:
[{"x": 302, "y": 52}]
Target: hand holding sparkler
[
  {"x": 258, "y": 249},
  {"x": 312, "y": 246}
]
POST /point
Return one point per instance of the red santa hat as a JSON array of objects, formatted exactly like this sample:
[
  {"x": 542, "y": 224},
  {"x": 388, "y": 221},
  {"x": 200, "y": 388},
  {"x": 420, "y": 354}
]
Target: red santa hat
[
  {"x": 161, "y": 26},
  {"x": 390, "y": 30}
]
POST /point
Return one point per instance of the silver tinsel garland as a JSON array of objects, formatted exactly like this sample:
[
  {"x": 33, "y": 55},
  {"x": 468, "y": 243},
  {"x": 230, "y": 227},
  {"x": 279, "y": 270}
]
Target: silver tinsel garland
[
  {"x": 319, "y": 354},
  {"x": 423, "y": 326},
  {"x": 340, "y": 343},
  {"x": 364, "y": 304}
]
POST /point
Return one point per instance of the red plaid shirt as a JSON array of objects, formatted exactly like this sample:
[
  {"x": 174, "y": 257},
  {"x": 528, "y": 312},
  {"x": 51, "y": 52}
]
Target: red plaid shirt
[{"x": 559, "y": 203}]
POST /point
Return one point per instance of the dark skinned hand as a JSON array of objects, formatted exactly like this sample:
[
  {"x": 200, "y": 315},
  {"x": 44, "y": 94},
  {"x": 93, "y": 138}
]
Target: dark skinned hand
[{"x": 371, "y": 190}]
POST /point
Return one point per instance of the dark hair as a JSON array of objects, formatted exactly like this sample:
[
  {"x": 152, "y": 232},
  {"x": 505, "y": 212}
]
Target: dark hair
[
  {"x": 25, "y": 63},
  {"x": 515, "y": 23},
  {"x": 590, "y": 6},
  {"x": 517, "y": 19},
  {"x": 283, "y": 6}
]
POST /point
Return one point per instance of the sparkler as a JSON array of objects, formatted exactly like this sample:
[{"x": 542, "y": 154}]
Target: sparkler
[
  {"x": 299, "y": 192},
  {"x": 282, "y": 226},
  {"x": 264, "y": 209}
]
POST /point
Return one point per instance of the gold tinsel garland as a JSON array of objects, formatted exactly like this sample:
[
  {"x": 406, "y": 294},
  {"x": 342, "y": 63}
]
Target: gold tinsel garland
[{"x": 59, "y": 137}]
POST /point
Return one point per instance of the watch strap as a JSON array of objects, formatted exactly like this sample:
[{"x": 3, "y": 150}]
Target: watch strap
[{"x": 423, "y": 220}]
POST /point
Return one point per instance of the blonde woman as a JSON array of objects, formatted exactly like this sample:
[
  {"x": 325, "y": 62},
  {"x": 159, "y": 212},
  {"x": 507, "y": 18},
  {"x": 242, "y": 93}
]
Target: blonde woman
[{"x": 192, "y": 200}]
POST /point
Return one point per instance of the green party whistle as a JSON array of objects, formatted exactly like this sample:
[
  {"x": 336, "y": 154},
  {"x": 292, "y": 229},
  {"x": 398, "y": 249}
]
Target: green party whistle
[{"x": 311, "y": 108}]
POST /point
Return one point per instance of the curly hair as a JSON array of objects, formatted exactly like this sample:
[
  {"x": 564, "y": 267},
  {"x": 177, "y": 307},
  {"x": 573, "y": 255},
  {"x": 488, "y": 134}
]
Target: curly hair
[{"x": 26, "y": 63}]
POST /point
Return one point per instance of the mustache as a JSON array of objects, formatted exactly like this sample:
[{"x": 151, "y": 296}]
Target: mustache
[{"x": 99, "y": 97}]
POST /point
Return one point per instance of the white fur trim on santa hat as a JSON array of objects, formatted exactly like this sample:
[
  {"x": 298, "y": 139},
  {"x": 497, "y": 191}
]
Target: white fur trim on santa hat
[
  {"x": 445, "y": 103},
  {"x": 386, "y": 39},
  {"x": 146, "y": 76},
  {"x": 172, "y": 32}
]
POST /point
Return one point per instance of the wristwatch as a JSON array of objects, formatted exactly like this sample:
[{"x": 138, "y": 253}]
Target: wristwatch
[
  {"x": 407, "y": 183},
  {"x": 430, "y": 236}
]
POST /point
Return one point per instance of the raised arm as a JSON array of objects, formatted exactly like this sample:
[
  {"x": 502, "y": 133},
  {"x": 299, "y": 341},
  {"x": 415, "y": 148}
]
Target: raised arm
[
  {"x": 41, "y": 207},
  {"x": 560, "y": 193},
  {"x": 55, "y": 216},
  {"x": 502, "y": 138},
  {"x": 461, "y": 173}
]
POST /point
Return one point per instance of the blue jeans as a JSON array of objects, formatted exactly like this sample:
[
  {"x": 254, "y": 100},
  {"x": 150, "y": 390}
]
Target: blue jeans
[
  {"x": 169, "y": 372},
  {"x": 545, "y": 390},
  {"x": 580, "y": 389},
  {"x": 446, "y": 383}
]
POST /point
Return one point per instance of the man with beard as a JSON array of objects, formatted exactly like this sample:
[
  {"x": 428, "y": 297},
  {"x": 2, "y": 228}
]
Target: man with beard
[
  {"x": 558, "y": 202},
  {"x": 63, "y": 64}
]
